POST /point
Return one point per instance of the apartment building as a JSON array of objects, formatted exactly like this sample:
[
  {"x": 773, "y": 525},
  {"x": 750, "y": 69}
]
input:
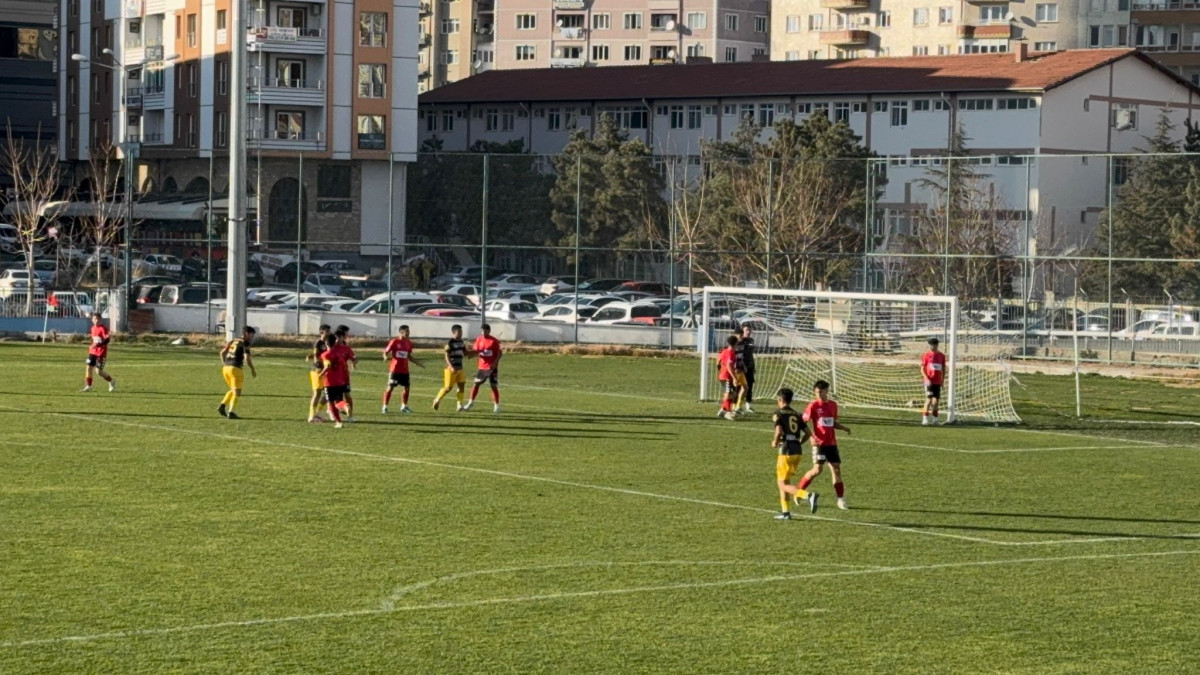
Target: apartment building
[
  {"x": 28, "y": 53},
  {"x": 332, "y": 80},
  {"x": 1078, "y": 105},
  {"x": 1167, "y": 29},
  {"x": 453, "y": 36}
]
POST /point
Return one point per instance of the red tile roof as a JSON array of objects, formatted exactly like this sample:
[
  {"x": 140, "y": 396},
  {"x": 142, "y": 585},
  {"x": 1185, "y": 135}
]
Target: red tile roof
[{"x": 931, "y": 74}]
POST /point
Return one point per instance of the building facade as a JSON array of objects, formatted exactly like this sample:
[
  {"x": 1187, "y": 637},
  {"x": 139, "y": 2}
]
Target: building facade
[
  {"x": 1071, "y": 109},
  {"x": 334, "y": 81},
  {"x": 1167, "y": 29},
  {"x": 28, "y": 52}
]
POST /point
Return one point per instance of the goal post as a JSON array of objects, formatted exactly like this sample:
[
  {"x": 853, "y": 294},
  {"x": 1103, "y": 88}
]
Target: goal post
[{"x": 867, "y": 345}]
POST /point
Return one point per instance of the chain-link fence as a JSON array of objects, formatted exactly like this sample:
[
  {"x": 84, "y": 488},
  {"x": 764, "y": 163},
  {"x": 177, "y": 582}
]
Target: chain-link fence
[{"x": 1047, "y": 247}]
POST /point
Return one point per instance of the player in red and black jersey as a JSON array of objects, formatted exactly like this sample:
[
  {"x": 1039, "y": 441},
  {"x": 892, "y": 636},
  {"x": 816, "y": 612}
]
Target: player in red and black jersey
[
  {"x": 335, "y": 374},
  {"x": 933, "y": 372},
  {"x": 314, "y": 376},
  {"x": 487, "y": 348},
  {"x": 343, "y": 340},
  {"x": 98, "y": 354},
  {"x": 400, "y": 351},
  {"x": 822, "y": 413}
]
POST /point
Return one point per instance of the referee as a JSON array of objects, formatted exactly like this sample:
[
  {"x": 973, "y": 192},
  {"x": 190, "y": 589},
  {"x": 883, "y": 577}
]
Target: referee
[{"x": 745, "y": 348}]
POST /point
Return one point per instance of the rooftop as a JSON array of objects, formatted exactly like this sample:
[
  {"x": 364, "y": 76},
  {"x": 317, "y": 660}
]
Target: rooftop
[{"x": 915, "y": 74}]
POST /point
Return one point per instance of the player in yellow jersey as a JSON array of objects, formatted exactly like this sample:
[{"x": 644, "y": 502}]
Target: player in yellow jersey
[
  {"x": 790, "y": 434},
  {"x": 453, "y": 375},
  {"x": 233, "y": 355},
  {"x": 314, "y": 375}
]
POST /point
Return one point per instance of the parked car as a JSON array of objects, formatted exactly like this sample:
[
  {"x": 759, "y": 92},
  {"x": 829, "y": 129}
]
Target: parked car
[
  {"x": 527, "y": 296},
  {"x": 148, "y": 294},
  {"x": 379, "y": 304},
  {"x": 1092, "y": 323},
  {"x": 10, "y": 241},
  {"x": 624, "y": 312},
  {"x": 653, "y": 287},
  {"x": 325, "y": 283},
  {"x": 1140, "y": 330},
  {"x": 339, "y": 267},
  {"x": 566, "y": 314},
  {"x": 340, "y": 305},
  {"x": 457, "y": 312},
  {"x": 74, "y": 303},
  {"x": 635, "y": 296},
  {"x": 17, "y": 281},
  {"x": 196, "y": 268},
  {"x": 600, "y": 285},
  {"x": 190, "y": 294},
  {"x": 1188, "y": 331},
  {"x": 556, "y": 285},
  {"x": 287, "y": 273},
  {"x": 511, "y": 282},
  {"x": 163, "y": 262},
  {"x": 448, "y": 298},
  {"x": 457, "y": 275},
  {"x": 45, "y": 271},
  {"x": 512, "y": 310},
  {"x": 469, "y": 291},
  {"x": 361, "y": 288},
  {"x": 422, "y": 308}
]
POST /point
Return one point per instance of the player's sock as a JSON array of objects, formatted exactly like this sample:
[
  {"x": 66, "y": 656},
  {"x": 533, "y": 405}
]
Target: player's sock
[
  {"x": 725, "y": 404},
  {"x": 783, "y": 502},
  {"x": 495, "y": 396},
  {"x": 225, "y": 398},
  {"x": 741, "y": 400},
  {"x": 233, "y": 399},
  {"x": 839, "y": 489},
  {"x": 333, "y": 413},
  {"x": 460, "y": 395},
  {"x": 387, "y": 396},
  {"x": 87, "y": 381},
  {"x": 803, "y": 486},
  {"x": 404, "y": 397},
  {"x": 474, "y": 392}
]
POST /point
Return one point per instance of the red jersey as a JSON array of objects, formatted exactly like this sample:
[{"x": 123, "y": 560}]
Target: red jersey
[
  {"x": 933, "y": 365},
  {"x": 99, "y": 346},
  {"x": 726, "y": 363},
  {"x": 399, "y": 349},
  {"x": 822, "y": 415},
  {"x": 337, "y": 362},
  {"x": 488, "y": 349}
]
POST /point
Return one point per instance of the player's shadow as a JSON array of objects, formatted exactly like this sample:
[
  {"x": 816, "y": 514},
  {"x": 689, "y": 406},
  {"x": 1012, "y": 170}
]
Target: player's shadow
[
  {"x": 1030, "y": 530},
  {"x": 1055, "y": 516},
  {"x": 493, "y": 429}
]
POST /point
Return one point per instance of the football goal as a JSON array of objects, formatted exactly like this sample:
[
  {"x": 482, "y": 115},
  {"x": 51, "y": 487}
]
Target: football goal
[{"x": 868, "y": 346}]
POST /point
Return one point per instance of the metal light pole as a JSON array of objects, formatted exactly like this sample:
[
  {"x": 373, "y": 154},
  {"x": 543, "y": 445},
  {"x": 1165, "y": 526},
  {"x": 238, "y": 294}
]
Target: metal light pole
[{"x": 235, "y": 315}]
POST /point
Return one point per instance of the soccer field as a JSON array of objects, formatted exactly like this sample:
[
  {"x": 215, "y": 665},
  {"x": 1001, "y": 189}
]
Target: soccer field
[{"x": 605, "y": 521}]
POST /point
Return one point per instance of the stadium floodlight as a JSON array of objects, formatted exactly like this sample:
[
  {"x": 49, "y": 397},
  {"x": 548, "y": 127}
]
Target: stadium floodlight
[{"x": 867, "y": 345}]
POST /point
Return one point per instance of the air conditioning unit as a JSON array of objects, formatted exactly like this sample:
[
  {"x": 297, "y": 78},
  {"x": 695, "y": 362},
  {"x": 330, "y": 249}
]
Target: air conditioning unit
[{"x": 863, "y": 20}]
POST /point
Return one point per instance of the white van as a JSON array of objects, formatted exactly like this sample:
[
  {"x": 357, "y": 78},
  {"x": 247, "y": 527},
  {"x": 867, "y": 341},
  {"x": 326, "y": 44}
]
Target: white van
[{"x": 9, "y": 241}]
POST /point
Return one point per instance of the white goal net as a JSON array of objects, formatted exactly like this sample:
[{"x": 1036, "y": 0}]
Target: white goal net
[{"x": 867, "y": 346}]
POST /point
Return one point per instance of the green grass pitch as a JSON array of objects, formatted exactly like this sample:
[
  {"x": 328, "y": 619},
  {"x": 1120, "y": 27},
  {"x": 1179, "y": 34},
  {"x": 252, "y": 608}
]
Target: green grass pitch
[{"x": 604, "y": 522}]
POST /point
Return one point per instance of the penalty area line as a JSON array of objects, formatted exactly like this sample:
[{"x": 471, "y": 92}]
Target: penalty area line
[
  {"x": 555, "y": 481},
  {"x": 569, "y": 595}
]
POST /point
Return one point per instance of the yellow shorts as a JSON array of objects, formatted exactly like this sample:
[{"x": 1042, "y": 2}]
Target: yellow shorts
[
  {"x": 786, "y": 467},
  {"x": 453, "y": 377},
  {"x": 314, "y": 379},
  {"x": 739, "y": 379},
  {"x": 234, "y": 377}
]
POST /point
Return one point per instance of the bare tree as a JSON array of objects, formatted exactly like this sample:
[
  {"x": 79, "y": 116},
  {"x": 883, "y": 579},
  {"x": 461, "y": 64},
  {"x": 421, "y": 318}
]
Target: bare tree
[
  {"x": 37, "y": 180},
  {"x": 106, "y": 215}
]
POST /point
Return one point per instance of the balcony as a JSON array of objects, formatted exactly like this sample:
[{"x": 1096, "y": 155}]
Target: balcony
[
  {"x": 133, "y": 97},
  {"x": 570, "y": 5},
  {"x": 153, "y": 138},
  {"x": 568, "y": 62},
  {"x": 154, "y": 97},
  {"x": 572, "y": 33},
  {"x": 287, "y": 140},
  {"x": 426, "y": 8},
  {"x": 287, "y": 40},
  {"x": 424, "y": 41},
  {"x": 846, "y": 38},
  {"x": 996, "y": 31},
  {"x": 275, "y": 91},
  {"x": 846, "y": 5}
]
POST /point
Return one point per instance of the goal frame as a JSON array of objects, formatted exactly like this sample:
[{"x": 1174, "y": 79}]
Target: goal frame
[{"x": 950, "y": 301}]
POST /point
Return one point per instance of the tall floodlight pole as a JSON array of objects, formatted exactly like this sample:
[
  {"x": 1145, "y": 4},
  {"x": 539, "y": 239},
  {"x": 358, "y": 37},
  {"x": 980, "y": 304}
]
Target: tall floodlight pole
[{"x": 235, "y": 315}]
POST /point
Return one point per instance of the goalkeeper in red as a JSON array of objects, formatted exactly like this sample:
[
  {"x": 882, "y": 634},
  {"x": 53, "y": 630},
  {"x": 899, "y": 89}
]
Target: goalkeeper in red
[
  {"x": 487, "y": 347},
  {"x": 933, "y": 371},
  {"x": 399, "y": 350}
]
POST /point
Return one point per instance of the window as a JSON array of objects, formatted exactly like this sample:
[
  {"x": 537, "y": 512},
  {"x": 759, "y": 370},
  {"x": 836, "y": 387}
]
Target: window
[
  {"x": 945, "y": 15},
  {"x": 920, "y": 50},
  {"x": 695, "y": 50},
  {"x": 814, "y": 55},
  {"x": 430, "y": 122},
  {"x": 880, "y": 106},
  {"x": 766, "y": 115},
  {"x": 526, "y": 21},
  {"x": 883, "y": 19},
  {"x": 941, "y": 104},
  {"x": 633, "y": 52},
  {"x": 1045, "y": 46},
  {"x": 627, "y": 117},
  {"x": 731, "y": 22},
  {"x": 803, "y": 108},
  {"x": 1011, "y": 160},
  {"x": 697, "y": 20},
  {"x": 993, "y": 13},
  {"x": 841, "y": 112},
  {"x": 372, "y": 133},
  {"x": 730, "y": 54},
  {"x": 372, "y": 29},
  {"x": 676, "y": 115},
  {"x": 222, "y": 129},
  {"x": 222, "y": 19},
  {"x": 633, "y": 21},
  {"x": 601, "y": 21},
  {"x": 920, "y": 16},
  {"x": 191, "y": 130},
  {"x": 372, "y": 80},
  {"x": 289, "y": 73},
  {"x": 570, "y": 21},
  {"x": 943, "y": 50},
  {"x": 659, "y": 22},
  {"x": 1124, "y": 117},
  {"x": 508, "y": 120},
  {"x": 492, "y": 119},
  {"x": 921, "y": 105},
  {"x": 976, "y": 104},
  {"x": 290, "y": 17},
  {"x": 816, "y": 21},
  {"x": 449, "y": 57},
  {"x": 289, "y": 125},
  {"x": 553, "y": 119},
  {"x": 572, "y": 52},
  {"x": 599, "y": 52},
  {"x": 191, "y": 30},
  {"x": 222, "y": 77},
  {"x": 858, "y": 107},
  {"x": 334, "y": 188},
  {"x": 791, "y": 56},
  {"x": 1047, "y": 13},
  {"x": 793, "y": 23},
  {"x": 693, "y": 116},
  {"x": 1023, "y": 103},
  {"x": 747, "y": 111},
  {"x": 525, "y": 53},
  {"x": 191, "y": 80},
  {"x": 450, "y": 26},
  {"x": 760, "y": 24},
  {"x": 899, "y": 113},
  {"x": 710, "y": 111}
]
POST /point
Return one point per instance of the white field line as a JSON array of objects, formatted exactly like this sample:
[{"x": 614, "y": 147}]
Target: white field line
[
  {"x": 554, "y": 481},
  {"x": 547, "y": 597}
]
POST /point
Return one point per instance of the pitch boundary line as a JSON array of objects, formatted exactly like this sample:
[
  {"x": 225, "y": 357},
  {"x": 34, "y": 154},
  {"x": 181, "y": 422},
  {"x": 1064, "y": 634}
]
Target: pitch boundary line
[
  {"x": 555, "y": 481},
  {"x": 547, "y": 597}
]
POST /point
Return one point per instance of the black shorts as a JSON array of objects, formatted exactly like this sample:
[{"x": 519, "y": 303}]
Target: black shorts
[
  {"x": 96, "y": 361},
  {"x": 492, "y": 376},
  {"x": 398, "y": 379},
  {"x": 933, "y": 391},
  {"x": 336, "y": 394},
  {"x": 826, "y": 453}
]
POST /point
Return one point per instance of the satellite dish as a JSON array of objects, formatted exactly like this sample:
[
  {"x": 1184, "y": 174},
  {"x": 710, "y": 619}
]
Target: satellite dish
[
  {"x": 558, "y": 53},
  {"x": 559, "y": 23},
  {"x": 672, "y": 53},
  {"x": 477, "y": 65},
  {"x": 670, "y": 25}
]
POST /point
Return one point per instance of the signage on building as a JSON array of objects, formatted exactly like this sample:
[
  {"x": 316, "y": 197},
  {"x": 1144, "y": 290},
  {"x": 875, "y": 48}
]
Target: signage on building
[
  {"x": 154, "y": 53},
  {"x": 280, "y": 33}
]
